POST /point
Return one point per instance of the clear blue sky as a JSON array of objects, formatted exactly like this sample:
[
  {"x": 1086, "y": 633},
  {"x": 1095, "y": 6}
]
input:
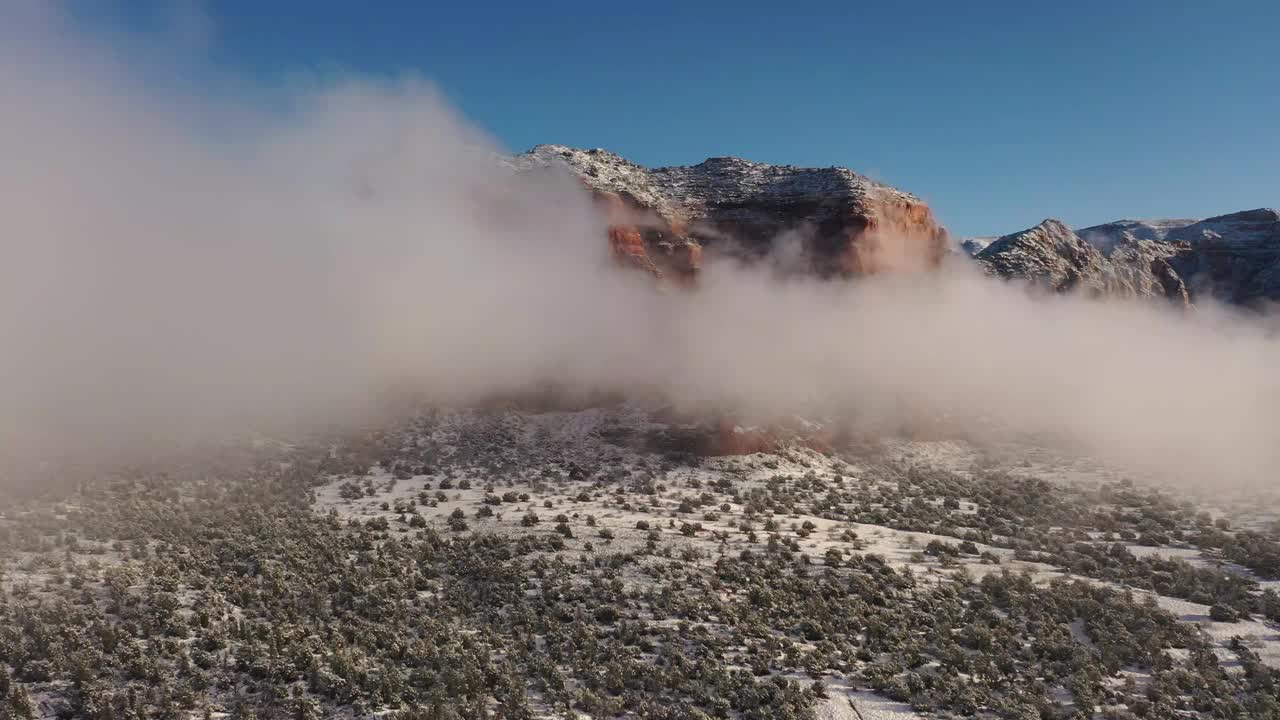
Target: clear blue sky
[{"x": 998, "y": 113}]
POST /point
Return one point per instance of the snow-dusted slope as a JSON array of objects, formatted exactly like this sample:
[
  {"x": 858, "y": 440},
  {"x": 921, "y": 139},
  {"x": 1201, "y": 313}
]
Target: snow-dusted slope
[
  {"x": 1233, "y": 257},
  {"x": 602, "y": 171},
  {"x": 1053, "y": 255}
]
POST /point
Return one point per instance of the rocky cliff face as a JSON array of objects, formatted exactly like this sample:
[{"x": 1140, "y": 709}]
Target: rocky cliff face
[
  {"x": 846, "y": 223},
  {"x": 1052, "y": 255}
]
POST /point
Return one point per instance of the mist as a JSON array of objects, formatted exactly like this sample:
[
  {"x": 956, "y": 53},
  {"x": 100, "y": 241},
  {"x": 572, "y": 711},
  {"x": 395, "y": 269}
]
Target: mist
[{"x": 178, "y": 264}]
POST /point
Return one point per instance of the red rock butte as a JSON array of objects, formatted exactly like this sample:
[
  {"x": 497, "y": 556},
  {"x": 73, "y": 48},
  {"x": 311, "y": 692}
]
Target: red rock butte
[{"x": 661, "y": 219}]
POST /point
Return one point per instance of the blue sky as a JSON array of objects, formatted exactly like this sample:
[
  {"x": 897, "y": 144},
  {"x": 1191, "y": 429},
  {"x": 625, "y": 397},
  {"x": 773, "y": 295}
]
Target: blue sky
[{"x": 998, "y": 113}]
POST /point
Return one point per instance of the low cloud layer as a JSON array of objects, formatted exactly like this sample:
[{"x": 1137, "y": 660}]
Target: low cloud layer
[{"x": 175, "y": 264}]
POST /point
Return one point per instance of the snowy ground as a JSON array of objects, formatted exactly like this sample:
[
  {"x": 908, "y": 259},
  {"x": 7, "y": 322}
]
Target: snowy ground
[
  {"x": 1263, "y": 637},
  {"x": 612, "y": 480},
  {"x": 600, "y": 520}
]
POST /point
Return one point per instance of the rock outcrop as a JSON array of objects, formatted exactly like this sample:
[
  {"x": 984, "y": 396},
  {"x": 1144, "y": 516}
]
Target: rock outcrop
[
  {"x": 846, "y": 224},
  {"x": 1052, "y": 255}
]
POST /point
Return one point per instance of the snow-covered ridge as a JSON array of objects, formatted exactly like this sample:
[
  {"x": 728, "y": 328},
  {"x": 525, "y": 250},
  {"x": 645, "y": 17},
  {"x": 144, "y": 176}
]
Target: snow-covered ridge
[
  {"x": 1256, "y": 230},
  {"x": 720, "y": 182},
  {"x": 1106, "y": 235},
  {"x": 600, "y": 170}
]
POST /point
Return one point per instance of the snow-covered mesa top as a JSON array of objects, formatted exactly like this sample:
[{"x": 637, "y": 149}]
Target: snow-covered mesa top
[{"x": 689, "y": 190}]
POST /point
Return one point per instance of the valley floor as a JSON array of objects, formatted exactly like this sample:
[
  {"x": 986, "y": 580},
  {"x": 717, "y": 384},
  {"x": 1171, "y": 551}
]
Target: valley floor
[{"x": 513, "y": 564}]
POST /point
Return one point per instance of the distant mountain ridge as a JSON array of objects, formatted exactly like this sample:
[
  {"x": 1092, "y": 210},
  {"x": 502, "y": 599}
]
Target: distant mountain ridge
[{"x": 1233, "y": 258}]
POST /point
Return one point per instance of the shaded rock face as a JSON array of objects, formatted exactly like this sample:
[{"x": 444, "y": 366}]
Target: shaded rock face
[
  {"x": 846, "y": 224},
  {"x": 1052, "y": 255},
  {"x": 1233, "y": 258}
]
